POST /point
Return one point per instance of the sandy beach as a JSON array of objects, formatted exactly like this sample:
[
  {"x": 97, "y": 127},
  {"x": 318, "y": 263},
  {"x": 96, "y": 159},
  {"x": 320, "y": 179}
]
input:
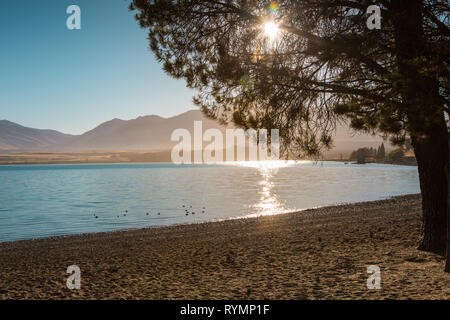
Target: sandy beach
[{"x": 315, "y": 254}]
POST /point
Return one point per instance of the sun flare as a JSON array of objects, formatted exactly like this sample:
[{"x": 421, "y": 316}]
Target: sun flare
[{"x": 271, "y": 30}]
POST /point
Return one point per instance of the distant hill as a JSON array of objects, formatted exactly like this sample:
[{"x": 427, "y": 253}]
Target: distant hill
[
  {"x": 14, "y": 137},
  {"x": 144, "y": 133}
]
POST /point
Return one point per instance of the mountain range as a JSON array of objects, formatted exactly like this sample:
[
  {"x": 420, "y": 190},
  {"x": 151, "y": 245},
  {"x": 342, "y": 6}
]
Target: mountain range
[
  {"x": 14, "y": 137},
  {"x": 143, "y": 133}
]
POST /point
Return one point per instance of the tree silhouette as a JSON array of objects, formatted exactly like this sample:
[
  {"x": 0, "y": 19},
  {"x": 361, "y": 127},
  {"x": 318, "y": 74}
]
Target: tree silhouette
[
  {"x": 396, "y": 155},
  {"x": 381, "y": 153},
  {"x": 325, "y": 65}
]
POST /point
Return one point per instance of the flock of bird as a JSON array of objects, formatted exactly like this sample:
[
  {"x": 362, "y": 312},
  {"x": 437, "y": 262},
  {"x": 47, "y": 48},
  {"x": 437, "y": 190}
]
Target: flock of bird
[{"x": 187, "y": 211}]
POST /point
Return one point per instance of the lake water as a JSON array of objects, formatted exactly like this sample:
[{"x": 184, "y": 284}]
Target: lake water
[{"x": 46, "y": 200}]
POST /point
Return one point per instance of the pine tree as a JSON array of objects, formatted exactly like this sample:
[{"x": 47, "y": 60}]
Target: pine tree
[
  {"x": 381, "y": 154},
  {"x": 325, "y": 65}
]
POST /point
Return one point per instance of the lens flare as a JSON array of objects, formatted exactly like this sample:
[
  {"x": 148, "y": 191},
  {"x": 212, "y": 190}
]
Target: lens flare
[{"x": 273, "y": 7}]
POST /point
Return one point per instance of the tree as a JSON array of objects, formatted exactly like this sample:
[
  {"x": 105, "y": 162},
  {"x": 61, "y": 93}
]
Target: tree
[
  {"x": 323, "y": 66},
  {"x": 396, "y": 155},
  {"x": 381, "y": 153},
  {"x": 361, "y": 154}
]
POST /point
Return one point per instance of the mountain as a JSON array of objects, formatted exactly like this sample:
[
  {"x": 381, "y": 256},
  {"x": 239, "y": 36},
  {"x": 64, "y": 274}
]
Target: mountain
[
  {"x": 14, "y": 137},
  {"x": 144, "y": 133}
]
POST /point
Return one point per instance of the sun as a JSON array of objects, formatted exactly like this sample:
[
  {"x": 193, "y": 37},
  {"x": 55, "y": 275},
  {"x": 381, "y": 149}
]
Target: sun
[{"x": 271, "y": 30}]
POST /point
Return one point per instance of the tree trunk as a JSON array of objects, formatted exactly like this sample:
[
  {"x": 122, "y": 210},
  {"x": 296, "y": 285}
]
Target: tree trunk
[
  {"x": 425, "y": 120},
  {"x": 432, "y": 159},
  {"x": 447, "y": 265}
]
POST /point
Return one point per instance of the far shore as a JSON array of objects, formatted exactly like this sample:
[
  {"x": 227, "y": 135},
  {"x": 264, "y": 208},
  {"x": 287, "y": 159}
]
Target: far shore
[
  {"x": 109, "y": 157},
  {"x": 84, "y": 157},
  {"x": 314, "y": 254},
  {"x": 402, "y": 162}
]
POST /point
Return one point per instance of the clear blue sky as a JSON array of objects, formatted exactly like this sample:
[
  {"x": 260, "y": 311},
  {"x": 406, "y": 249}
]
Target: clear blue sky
[{"x": 72, "y": 80}]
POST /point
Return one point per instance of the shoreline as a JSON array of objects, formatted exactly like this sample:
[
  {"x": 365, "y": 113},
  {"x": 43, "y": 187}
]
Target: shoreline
[
  {"x": 318, "y": 253},
  {"x": 126, "y": 157},
  {"x": 148, "y": 162}
]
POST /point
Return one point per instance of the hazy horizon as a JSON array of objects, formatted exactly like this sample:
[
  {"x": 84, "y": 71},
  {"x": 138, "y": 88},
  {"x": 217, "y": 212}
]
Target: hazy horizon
[{"x": 146, "y": 132}]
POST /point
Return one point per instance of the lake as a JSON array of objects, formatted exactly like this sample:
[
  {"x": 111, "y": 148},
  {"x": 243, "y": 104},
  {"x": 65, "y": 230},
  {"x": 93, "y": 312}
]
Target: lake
[{"x": 46, "y": 200}]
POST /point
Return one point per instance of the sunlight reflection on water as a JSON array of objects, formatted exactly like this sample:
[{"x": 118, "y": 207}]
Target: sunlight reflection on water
[{"x": 45, "y": 200}]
